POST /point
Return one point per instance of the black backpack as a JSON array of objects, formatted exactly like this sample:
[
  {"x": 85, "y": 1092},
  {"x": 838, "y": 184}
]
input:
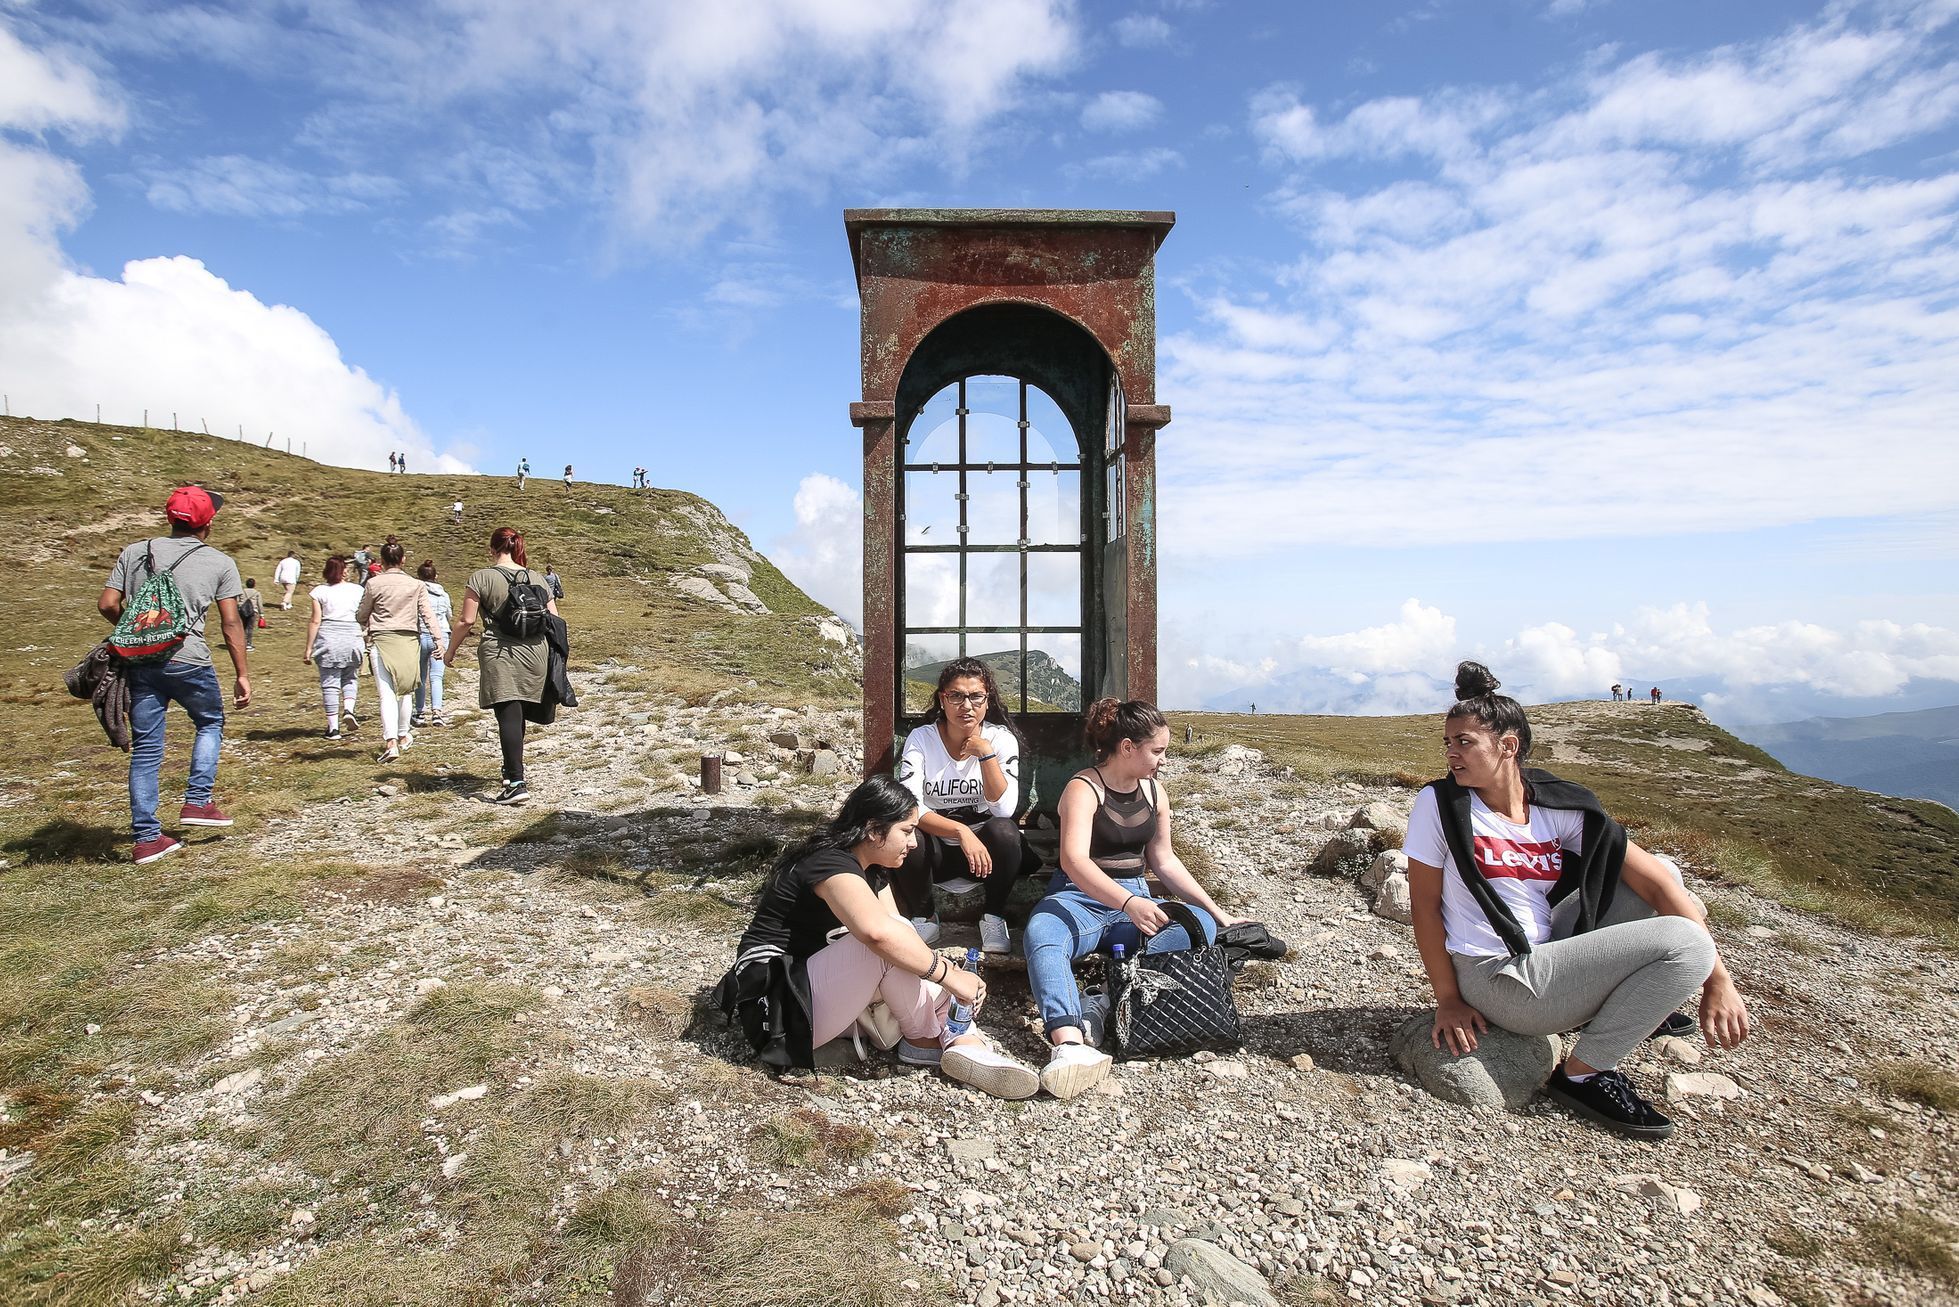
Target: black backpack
[{"x": 522, "y": 615}]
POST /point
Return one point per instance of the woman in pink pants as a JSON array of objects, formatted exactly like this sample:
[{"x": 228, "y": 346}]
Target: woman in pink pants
[{"x": 827, "y": 940}]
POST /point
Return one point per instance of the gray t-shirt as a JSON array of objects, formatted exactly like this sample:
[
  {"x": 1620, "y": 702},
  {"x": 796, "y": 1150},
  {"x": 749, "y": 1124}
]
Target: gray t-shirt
[{"x": 204, "y": 577}]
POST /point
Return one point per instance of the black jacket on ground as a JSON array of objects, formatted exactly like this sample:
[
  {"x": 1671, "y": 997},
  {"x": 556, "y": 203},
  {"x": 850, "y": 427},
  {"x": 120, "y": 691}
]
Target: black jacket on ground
[
  {"x": 1593, "y": 875},
  {"x": 557, "y": 680}
]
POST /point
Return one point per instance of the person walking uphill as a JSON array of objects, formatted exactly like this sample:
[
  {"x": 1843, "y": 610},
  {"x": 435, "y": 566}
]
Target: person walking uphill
[
  {"x": 394, "y": 611},
  {"x": 204, "y": 578},
  {"x": 1533, "y": 910},
  {"x": 509, "y": 602},
  {"x": 287, "y": 575}
]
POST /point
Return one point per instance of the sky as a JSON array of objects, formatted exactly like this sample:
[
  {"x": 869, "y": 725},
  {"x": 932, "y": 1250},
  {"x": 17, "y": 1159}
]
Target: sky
[{"x": 1605, "y": 341}]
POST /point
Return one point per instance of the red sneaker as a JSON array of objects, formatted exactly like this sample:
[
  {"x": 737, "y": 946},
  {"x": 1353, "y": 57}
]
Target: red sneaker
[
  {"x": 202, "y": 814},
  {"x": 150, "y": 850}
]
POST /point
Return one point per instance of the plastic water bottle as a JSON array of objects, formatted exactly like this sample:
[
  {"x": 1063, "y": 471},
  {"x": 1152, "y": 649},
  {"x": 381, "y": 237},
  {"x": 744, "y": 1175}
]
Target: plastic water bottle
[{"x": 960, "y": 1019}]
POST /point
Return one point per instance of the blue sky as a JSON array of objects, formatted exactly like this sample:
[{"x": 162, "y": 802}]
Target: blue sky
[{"x": 1605, "y": 340}]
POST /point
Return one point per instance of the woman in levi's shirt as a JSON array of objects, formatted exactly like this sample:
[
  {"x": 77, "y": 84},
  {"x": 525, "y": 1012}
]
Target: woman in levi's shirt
[{"x": 1559, "y": 922}]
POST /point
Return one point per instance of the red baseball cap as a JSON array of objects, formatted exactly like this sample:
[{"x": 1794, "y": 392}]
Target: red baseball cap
[{"x": 194, "y": 506}]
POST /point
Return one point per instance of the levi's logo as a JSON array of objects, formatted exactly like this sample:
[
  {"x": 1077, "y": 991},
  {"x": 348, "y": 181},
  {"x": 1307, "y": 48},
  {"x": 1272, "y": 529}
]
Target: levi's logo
[{"x": 1519, "y": 859}]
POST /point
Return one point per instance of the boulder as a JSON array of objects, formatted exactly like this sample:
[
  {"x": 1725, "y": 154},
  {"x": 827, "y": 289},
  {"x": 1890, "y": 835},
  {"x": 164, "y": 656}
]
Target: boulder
[
  {"x": 1506, "y": 1070},
  {"x": 1217, "y": 1278},
  {"x": 824, "y": 762},
  {"x": 1345, "y": 846},
  {"x": 785, "y": 739},
  {"x": 1378, "y": 815},
  {"x": 1389, "y": 863},
  {"x": 1392, "y": 901}
]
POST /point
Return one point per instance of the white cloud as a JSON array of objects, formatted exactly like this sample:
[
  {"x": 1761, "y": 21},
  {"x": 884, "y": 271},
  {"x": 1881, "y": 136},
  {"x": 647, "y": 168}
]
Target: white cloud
[
  {"x": 241, "y": 187},
  {"x": 1406, "y": 665},
  {"x": 1142, "y": 31},
  {"x": 1121, "y": 111},
  {"x": 825, "y": 553},
  {"x": 168, "y": 335},
  {"x": 1133, "y": 165},
  {"x": 1528, "y": 288}
]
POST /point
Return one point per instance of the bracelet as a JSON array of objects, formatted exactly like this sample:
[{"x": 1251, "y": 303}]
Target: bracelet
[
  {"x": 932, "y": 973},
  {"x": 1125, "y": 903},
  {"x": 986, "y": 757}
]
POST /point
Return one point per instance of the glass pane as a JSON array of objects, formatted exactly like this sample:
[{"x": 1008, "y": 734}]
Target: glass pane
[
  {"x": 931, "y": 509},
  {"x": 934, "y": 432},
  {"x": 1054, "y": 673},
  {"x": 1114, "y": 501},
  {"x": 1054, "y": 508},
  {"x": 993, "y": 425},
  {"x": 924, "y": 655},
  {"x": 1050, "y": 439},
  {"x": 993, "y": 509},
  {"x": 992, "y": 593},
  {"x": 1054, "y": 590},
  {"x": 931, "y": 590}
]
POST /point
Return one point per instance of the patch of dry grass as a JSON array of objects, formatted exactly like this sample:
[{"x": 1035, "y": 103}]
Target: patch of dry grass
[
  {"x": 1918, "y": 1082},
  {"x": 809, "y": 1138},
  {"x": 1913, "y": 1241}
]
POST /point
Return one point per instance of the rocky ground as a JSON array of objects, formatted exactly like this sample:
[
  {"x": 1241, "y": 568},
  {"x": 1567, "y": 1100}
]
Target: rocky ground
[{"x": 1306, "y": 1166}]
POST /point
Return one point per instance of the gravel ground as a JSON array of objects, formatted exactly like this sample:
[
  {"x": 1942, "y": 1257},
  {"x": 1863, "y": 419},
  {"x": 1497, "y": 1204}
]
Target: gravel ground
[{"x": 1305, "y": 1156}]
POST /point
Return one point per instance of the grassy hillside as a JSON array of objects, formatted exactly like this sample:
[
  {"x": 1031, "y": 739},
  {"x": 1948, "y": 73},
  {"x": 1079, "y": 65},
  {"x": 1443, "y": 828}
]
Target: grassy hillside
[
  {"x": 618, "y": 551},
  {"x": 1685, "y": 786}
]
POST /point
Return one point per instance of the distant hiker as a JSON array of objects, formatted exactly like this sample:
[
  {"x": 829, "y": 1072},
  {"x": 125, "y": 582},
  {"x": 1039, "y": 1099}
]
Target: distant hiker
[
  {"x": 511, "y": 651},
  {"x": 394, "y": 611},
  {"x": 391, "y": 460},
  {"x": 1509, "y": 868},
  {"x": 334, "y": 644},
  {"x": 401, "y": 463},
  {"x": 826, "y": 943},
  {"x": 552, "y": 583},
  {"x": 1115, "y": 830},
  {"x": 1618, "y": 693},
  {"x": 287, "y": 575},
  {"x": 360, "y": 561},
  {"x": 567, "y": 476},
  {"x": 428, "y": 692},
  {"x": 251, "y": 610},
  {"x": 456, "y": 512},
  {"x": 1656, "y": 694},
  {"x": 177, "y": 672},
  {"x": 963, "y": 766},
  {"x": 523, "y": 472}
]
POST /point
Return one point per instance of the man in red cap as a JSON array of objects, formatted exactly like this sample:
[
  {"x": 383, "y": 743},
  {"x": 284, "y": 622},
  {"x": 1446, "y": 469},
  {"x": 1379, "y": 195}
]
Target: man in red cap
[{"x": 204, "y": 576}]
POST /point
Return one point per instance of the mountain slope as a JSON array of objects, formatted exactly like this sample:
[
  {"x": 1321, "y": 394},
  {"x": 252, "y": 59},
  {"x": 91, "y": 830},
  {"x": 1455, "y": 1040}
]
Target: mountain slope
[{"x": 1914, "y": 754}]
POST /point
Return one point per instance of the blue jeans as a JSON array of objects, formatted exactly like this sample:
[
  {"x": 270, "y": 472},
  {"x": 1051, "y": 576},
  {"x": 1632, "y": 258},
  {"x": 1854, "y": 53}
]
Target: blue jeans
[
  {"x": 152, "y": 689},
  {"x": 428, "y": 691},
  {"x": 1068, "y": 925}
]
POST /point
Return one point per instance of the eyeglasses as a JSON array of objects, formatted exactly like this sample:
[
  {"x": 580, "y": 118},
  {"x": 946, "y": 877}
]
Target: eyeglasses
[{"x": 953, "y": 699}]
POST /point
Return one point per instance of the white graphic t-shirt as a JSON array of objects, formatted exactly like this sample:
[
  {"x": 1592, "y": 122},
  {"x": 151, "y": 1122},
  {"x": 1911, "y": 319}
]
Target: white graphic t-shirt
[
  {"x": 1521, "y": 862},
  {"x": 942, "y": 785}
]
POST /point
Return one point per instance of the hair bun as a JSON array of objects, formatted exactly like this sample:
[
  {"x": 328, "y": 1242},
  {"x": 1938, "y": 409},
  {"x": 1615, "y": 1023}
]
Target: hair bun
[{"x": 1473, "y": 681}]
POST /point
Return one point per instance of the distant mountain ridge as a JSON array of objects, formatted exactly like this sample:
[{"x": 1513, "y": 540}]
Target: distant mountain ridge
[
  {"x": 1047, "y": 680},
  {"x": 1910, "y": 754}
]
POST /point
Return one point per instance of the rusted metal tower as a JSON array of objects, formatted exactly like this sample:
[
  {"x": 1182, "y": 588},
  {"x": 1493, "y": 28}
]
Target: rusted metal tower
[{"x": 1009, "y": 420}]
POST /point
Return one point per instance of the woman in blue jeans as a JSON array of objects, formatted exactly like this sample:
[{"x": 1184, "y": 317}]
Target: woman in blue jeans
[{"x": 1115, "y": 829}]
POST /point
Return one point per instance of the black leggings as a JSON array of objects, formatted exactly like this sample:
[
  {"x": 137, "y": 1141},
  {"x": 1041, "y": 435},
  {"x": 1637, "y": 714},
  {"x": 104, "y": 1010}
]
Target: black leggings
[
  {"x": 934, "y": 860},
  {"x": 510, "y": 734}
]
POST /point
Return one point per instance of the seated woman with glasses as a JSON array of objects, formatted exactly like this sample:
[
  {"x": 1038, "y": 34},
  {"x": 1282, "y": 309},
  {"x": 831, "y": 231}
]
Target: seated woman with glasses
[
  {"x": 963, "y": 767},
  {"x": 1115, "y": 828}
]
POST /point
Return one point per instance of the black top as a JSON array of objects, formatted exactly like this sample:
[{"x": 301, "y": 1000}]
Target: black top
[
  {"x": 1122, "y": 827},
  {"x": 791, "y": 915}
]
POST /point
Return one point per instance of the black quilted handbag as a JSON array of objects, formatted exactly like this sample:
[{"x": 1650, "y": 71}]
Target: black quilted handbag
[{"x": 1170, "y": 1004}]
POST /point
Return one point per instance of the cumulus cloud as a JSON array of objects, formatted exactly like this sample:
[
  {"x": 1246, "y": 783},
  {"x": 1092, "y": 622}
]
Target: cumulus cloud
[
  {"x": 1713, "y": 266},
  {"x": 824, "y": 554},
  {"x": 1406, "y": 665},
  {"x": 1121, "y": 111},
  {"x": 168, "y": 335}
]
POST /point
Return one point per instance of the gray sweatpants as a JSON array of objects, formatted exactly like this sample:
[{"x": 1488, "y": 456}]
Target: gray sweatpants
[{"x": 1618, "y": 981}]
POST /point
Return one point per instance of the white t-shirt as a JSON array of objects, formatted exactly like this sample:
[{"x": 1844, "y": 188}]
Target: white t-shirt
[
  {"x": 287, "y": 572},
  {"x": 940, "y": 784},
  {"x": 338, "y": 603},
  {"x": 1521, "y": 862}
]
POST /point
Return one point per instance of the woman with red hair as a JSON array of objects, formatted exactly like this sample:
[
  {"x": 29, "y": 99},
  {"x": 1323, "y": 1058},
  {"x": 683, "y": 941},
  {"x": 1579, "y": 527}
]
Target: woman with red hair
[
  {"x": 333, "y": 644},
  {"x": 513, "y": 667}
]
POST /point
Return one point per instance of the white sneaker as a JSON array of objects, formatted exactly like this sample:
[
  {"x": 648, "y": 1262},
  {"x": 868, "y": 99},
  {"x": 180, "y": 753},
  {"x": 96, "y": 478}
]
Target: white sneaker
[
  {"x": 1074, "y": 1069},
  {"x": 993, "y": 935},
  {"x": 911, "y": 1054},
  {"x": 927, "y": 928},
  {"x": 990, "y": 1071}
]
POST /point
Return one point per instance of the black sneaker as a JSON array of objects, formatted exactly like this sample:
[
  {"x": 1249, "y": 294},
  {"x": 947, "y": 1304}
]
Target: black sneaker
[
  {"x": 512, "y": 792},
  {"x": 1609, "y": 1099},
  {"x": 1677, "y": 1024}
]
